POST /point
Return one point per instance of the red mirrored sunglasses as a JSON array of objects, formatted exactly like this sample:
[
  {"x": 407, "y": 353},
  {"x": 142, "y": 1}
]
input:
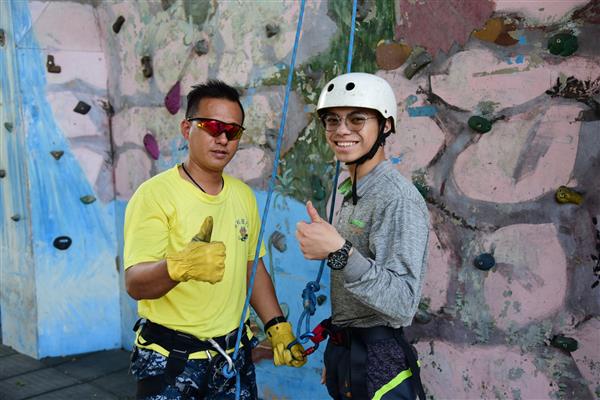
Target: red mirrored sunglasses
[{"x": 214, "y": 127}]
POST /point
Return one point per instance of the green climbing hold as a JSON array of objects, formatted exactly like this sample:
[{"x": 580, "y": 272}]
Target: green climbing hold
[
  {"x": 16, "y": 217},
  {"x": 564, "y": 343},
  {"x": 88, "y": 199},
  {"x": 318, "y": 191},
  {"x": 563, "y": 44},
  {"x": 321, "y": 299},
  {"x": 8, "y": 126},
  {"x": 423, "y": 317},
  {"x": 565, "y": 195},
  {"x": 57, "y": 154},
  {"x": 484, "y": 261},
  {"x": 479, "y": 124}
]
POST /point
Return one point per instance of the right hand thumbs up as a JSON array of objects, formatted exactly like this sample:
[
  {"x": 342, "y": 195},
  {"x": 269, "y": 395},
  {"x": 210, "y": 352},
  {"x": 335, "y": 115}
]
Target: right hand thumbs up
[
  {"x": 205, "y": 231},
  {"x": 200, "y": 260}
]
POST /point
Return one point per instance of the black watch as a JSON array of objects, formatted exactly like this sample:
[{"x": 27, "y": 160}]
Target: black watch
[{"x": 338, "y": 259}]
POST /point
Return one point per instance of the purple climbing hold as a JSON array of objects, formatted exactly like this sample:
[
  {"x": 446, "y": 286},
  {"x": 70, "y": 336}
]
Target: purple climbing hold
[
  {"x": 151, "y": 146},
  {"x": 173, "y": 98}
]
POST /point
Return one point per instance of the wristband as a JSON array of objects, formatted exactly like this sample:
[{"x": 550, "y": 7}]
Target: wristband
[{"x": 274, "y": 321}]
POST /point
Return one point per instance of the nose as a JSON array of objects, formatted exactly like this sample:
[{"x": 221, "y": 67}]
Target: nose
[
  {"x": 343, "y": 128},
  {"x": 222, "y": 138}
]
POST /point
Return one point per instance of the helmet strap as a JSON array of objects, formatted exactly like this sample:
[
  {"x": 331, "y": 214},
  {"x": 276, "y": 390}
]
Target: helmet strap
[{"x": 380, "y": 142}]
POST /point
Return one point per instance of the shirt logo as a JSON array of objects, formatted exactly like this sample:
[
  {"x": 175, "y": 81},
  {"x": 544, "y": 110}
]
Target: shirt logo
[{"x": 241, "y": 225}]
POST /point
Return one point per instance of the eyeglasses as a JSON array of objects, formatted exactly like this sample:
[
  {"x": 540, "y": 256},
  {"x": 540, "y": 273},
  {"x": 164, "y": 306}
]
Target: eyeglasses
[
  {"x": 354, "y": 122},
  {"x": 214, "y": 127}
]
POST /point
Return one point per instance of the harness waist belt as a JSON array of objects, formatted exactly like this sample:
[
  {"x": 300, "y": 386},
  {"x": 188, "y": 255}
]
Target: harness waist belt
[
  {"x": 357, "y": 339},
  {"x": 170, "y": 339}
]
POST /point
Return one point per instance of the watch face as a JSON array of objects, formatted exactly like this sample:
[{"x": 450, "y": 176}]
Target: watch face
[{"x": 338, "y": 259}]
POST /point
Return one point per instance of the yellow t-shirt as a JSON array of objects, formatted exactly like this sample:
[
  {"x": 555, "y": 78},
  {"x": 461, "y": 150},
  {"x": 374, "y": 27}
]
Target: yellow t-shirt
[{"x": 162, "y": 216}]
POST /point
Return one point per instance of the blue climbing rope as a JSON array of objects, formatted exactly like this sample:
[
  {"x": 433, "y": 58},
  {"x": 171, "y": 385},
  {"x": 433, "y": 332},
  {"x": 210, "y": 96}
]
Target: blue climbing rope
[
  {"x": 309, "y": 298},
  {"x": 226, "y": 372}
]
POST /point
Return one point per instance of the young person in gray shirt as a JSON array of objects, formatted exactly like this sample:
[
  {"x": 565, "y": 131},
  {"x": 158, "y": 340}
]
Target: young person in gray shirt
[{"x": 377, "y": 251}]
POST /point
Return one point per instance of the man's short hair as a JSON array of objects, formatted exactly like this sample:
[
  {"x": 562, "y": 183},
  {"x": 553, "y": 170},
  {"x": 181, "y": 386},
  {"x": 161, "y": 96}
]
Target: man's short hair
[{"x": 214, "y": 89}]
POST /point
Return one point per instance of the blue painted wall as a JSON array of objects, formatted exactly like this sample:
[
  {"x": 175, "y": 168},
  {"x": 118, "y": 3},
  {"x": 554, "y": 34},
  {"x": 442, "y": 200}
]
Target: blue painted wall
[
  {"x": 17, "y": 273},
  {"x": 76, "y": 290}
]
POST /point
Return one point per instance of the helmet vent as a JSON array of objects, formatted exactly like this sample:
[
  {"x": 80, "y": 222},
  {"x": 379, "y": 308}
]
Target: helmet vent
[
  {"x": 350, "y": 86},
  {"x": 330, "y": 88}
]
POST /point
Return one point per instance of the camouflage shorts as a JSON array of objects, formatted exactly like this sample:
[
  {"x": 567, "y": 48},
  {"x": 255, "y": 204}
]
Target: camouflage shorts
[{"x": 204, "y": 376}]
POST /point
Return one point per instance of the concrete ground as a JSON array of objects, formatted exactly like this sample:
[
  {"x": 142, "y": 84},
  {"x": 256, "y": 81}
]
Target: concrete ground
[{"x": 99, "y": 375}]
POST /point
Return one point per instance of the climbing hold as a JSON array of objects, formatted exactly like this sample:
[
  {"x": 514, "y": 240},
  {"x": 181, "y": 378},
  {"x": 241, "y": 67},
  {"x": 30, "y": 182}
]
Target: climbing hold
[
  {"x": 151, "y": 145},
  {"x": 57, "y": 154},
  {"x": 173, "y": 98},
  {"x": 2, "y": 173},
  {"x": 564, "y": 343},
  {"x": 272, "y": 30},
  {"x": 51, "y": 66},
  {"x": 419, "y": 61},
  {"x": 423, "y": 317},
  {"x": 2, "y": 38},
  {"x": 15, "y": 217},
  {"x": 318, "y": 191},
  {"x": 363, "y": 9},
  {"x": 88, "y": 199},
  {"x": 201, "y": 47},
  {"x": 479, "y": 124},
  {"x": 390, "y": 55},
  {"x": 166, "y": 4},
  {"x": 107, "y": 107},
  {"x": 490, "y": 32},
  {"x": 8, "y": 126},
  {"x": 563, "y": 44},
  {"x": 496, "y": 31},
  {"x": 118, "y": 24},
  {"x": 566, "y": 195},
  {"x": 271, "y": 138},
  {"x": 82, "y": 108},
  {"x": 62, "y": 242},
  {"x": 321, "y": 299},
  {"x": 147, "y": 66},
  {"x": 277, "y": 239},
  {"x": 484, "y": 262}
]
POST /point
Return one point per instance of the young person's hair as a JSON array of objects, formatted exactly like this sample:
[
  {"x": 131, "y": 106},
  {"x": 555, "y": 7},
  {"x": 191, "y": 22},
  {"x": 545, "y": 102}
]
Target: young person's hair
[{"x": 214, "y": 89}]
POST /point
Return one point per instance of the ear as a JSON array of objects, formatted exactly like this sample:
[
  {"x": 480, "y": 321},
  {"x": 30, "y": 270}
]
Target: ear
[
  {"x": 388, "y": 124},
  {"x": 185, "y": 126}
]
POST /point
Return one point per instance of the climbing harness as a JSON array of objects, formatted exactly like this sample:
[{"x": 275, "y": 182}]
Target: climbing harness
[{"x": 180, "y": 345}]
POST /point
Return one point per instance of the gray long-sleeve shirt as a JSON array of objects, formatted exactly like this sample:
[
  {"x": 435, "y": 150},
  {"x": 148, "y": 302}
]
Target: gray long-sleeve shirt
[{"x": 389, "y": 230}]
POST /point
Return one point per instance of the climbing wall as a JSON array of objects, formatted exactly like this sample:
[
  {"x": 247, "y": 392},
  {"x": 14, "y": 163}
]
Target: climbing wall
[
  {"x": 499, "y": 129},
  {"x": 59, "y": 277}
]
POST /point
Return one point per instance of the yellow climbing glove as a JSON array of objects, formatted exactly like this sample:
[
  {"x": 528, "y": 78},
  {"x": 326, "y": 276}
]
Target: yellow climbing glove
[
  {"x": 280, "y": 335},
  {"x": 200, "y": 260}
]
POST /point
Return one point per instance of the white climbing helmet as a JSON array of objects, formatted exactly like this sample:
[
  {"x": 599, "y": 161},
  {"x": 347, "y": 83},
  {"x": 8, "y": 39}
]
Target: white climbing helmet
[{"x": 358, "y": 89}]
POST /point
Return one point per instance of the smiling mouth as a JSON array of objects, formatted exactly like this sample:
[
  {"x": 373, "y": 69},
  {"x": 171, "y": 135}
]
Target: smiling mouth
[{"x": 345, "y": 143}]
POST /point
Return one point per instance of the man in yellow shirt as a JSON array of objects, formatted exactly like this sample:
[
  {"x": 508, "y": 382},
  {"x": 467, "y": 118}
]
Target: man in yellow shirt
[{"x": 190, "y": 239}]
